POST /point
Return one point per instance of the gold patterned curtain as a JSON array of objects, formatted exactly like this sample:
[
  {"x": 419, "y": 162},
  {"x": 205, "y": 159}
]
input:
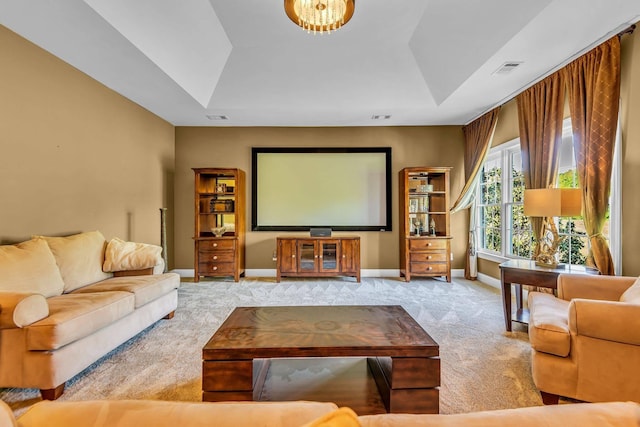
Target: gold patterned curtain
[
  {"x": 540, "y": 111},
  {"x": 594, "y": 99},
  {"x": 477, "y": 135}
]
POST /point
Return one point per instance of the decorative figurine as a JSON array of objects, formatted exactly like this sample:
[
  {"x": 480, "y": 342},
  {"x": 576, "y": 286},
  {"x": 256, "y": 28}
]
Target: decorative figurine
[{"x": 432, "y": 227}]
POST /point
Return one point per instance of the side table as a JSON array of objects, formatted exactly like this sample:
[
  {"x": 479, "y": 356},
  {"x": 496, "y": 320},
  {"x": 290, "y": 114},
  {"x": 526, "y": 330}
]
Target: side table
[{"x": 520, "y": 272}]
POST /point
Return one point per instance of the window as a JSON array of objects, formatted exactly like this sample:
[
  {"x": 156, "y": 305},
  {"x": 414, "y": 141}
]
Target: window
[{"x": 503, "y": 229}]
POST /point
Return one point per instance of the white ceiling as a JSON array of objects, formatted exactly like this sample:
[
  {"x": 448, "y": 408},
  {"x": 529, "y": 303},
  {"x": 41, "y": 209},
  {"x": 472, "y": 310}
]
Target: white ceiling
[{"x": 422, "y": 62}]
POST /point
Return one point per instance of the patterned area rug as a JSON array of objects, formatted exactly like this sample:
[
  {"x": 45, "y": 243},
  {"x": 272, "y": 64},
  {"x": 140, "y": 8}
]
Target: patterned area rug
[{"x": 483, "y": 367}]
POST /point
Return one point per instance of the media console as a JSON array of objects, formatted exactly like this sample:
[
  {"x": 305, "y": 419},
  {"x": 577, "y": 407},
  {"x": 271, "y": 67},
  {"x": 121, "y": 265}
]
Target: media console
[{"x": 318, "y": 257}]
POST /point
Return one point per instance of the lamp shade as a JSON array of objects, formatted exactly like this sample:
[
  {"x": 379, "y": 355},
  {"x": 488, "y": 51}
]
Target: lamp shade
[{"x": 549, "y": 202}]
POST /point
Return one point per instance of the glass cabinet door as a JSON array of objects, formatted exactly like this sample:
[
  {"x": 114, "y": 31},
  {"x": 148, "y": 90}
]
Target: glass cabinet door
[
  {"x": 307, "y": 256},
  {"x": 329, "y": 253}
]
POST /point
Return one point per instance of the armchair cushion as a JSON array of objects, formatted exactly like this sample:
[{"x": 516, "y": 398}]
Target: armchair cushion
[
  {"x": 29, "y": 267},
  {"x": 19, "y": 309},
  {"x": 549, "y": 325},
  {"x": 121, "y": 255},
  {"x": 632, "y": 295},
  {"x": 79, "y": 258}
]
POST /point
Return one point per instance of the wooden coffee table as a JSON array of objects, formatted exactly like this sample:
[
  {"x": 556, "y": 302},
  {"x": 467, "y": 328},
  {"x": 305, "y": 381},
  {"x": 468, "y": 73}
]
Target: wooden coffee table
[{"x": 402, "y": 357}]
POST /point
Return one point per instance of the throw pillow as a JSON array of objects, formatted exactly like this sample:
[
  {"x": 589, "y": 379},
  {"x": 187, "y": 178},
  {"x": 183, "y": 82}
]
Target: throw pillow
[
  {"x": 6, "y": 416},
  {"x": 343, "y": 417},
  {"x": 632, "y": 294},
  {"x": 121, "y": 255},
  {"x": 30, "y": 267},
  {"x": 79, "y": 258}
]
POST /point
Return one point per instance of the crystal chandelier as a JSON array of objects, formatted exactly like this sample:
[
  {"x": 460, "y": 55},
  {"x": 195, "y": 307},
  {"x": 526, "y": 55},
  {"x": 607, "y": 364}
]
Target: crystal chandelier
[{"x": 319, "y": 15}]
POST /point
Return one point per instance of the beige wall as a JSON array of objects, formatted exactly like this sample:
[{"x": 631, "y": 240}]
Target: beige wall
[
  {"x": 74, "y": 155},
  {"x": 507, "y": 129},
  {"x": 231, "y": 147}
]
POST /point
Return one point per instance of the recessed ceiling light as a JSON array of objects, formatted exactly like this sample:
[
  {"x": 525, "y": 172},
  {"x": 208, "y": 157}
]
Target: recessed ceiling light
[
  {"x": 217, "y": 117},
  {"x": 381, "y": 117}
]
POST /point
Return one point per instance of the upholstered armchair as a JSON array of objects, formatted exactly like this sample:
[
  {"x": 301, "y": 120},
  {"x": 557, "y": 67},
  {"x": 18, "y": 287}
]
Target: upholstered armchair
[{"x": 586, "y": 341}]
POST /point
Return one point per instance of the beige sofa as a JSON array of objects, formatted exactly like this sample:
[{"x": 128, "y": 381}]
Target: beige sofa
[
  {"x": 67, "y": 301},
  {"x": 586, "y": 341},
  {"x": 130, "y": 413}
]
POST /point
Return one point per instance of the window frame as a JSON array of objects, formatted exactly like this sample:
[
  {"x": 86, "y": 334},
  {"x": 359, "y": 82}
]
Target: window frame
[{"x": 503, "y": 152}]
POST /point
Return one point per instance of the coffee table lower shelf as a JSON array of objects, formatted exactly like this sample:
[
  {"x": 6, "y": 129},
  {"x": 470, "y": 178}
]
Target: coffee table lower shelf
[{"x": 364, "y": 384}]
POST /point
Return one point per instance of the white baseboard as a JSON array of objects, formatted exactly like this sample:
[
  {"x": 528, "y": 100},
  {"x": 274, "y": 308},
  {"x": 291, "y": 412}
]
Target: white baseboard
[
  {"x": 271, "y": 272},
  {"x": 491, "y": 281}
]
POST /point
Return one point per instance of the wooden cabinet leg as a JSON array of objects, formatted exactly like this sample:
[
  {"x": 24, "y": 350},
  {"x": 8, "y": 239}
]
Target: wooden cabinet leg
[
  {"x": 52, "y": 393},
  {"x": 170, "y": 315},
  {"x": 549, "y": 398}
]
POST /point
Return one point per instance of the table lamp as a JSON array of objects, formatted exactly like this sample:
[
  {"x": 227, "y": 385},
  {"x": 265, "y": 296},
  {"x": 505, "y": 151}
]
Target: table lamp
[{"x": 548, "y": 203}]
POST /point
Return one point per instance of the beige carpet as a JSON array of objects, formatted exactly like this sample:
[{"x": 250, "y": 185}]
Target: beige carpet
[{"x": 483, "y": 367}]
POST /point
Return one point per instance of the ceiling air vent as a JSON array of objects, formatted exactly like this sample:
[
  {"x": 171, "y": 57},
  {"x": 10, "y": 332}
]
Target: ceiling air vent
[
  {"x": 217, "y": 117},
  {"x": 381, "y": 117},
  {"x": 508, "y": 67}
]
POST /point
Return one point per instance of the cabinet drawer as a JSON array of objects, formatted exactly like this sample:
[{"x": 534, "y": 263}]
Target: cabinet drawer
[
  {"x": 210, "y": 268},
  {"x": 212, "y": 245},
  {"x": 427, "y": 244},
  {"x": 440, "y": 256},
  {"x": 429, "y": 268},
  {"x": 217, "y": 256}
]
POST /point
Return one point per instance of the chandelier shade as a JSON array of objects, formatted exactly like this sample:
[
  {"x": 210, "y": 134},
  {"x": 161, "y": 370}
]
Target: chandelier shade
[{"x": 319, "y": 16}]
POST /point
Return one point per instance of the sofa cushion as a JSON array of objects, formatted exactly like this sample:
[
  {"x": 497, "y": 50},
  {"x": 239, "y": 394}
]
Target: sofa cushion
[
  {"x": 136, "y": 413},
  {"x": 6, "y": 416},
  {"x": 343, "y": 417},
  {"x": 608, "y": 414},
  {"x": 632, "y": 294},
  {"x": 74, "y": 316},
  {"x": 549, "y": 324},
  {"x": 121, "y": 255},
  {"x": 31, "y": 268},
  {"x": 145, "y": 288},
  {"x": 79, "y": 258}
]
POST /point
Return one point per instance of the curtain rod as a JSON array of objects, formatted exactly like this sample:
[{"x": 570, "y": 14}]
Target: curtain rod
[{"x": 627, "y": 31}]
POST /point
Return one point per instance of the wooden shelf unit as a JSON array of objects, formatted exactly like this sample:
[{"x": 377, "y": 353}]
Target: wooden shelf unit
[
  {"x": 425, "y": 239},
  {"x": 219, "y": 201},
  {"x": 318, "y": 257}
]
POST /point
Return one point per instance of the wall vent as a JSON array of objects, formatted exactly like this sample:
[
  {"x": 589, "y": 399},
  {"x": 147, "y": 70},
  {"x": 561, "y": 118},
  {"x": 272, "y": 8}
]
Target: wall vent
[{"x": 508, "y": 67}]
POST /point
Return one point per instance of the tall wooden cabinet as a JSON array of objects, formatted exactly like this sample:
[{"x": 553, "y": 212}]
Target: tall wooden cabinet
[
  {"x": 425, "y": 239},
  {"x": 220, "y": 205}
]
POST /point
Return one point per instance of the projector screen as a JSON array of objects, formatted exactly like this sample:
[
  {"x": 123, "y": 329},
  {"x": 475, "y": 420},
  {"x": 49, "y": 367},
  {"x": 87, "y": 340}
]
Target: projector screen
[{"x": 345, "y": 189}]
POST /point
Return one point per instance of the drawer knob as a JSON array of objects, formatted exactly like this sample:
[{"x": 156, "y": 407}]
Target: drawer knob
[
  {"x": 429, "y": 257},
  {"x": 216, "y": 257},
  {"x": 215, "y": 245},
  {"x": 429, "y": 244},
  {"x": 430, "y": 268},
  {"x": 293, "y": 256},
  {"x": 215, "y": 268},
  {"x": 344, "y": 255}
]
